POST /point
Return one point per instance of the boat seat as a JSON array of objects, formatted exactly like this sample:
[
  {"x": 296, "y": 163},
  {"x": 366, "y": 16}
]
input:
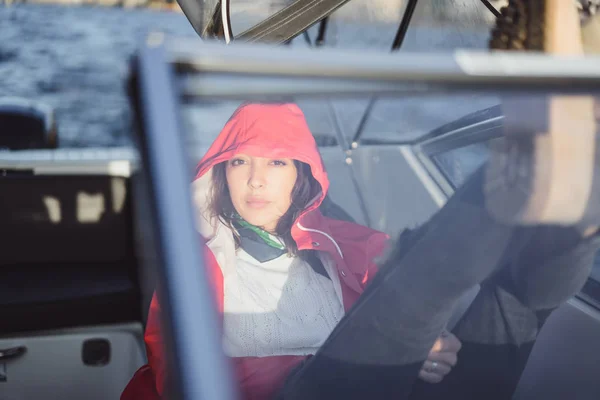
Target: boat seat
[{"x": 70, "y": 310}]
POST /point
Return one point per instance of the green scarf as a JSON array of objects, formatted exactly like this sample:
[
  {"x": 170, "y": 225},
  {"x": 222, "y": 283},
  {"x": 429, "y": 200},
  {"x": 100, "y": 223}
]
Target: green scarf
[{"x": 267, "y": 237}]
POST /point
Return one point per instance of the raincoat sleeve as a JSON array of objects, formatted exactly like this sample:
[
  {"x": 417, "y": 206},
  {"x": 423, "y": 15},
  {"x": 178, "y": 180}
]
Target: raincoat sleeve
[
  {"x": 361, "y": 247},
  {"x": 148, "y": 382}
]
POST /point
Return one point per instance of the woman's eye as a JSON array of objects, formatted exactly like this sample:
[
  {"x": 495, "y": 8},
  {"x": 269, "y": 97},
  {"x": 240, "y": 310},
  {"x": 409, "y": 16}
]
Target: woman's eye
[
  {"x": 279, "y": 162},
  {"x": 237, "y": 161}
]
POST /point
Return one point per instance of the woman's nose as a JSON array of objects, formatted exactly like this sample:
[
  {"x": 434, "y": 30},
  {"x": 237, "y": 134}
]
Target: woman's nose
[{"x": 257, "y": 178}]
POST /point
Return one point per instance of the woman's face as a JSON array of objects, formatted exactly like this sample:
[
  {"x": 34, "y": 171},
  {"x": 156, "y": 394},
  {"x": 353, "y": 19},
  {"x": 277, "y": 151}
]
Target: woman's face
[{"x": 261, "y": 188}]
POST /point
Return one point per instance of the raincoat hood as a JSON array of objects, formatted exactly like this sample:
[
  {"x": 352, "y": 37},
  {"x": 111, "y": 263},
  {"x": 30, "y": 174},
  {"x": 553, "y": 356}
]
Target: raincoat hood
[
  {"x": 281, "y": 131},
  {"x": 269, "y": 131}
]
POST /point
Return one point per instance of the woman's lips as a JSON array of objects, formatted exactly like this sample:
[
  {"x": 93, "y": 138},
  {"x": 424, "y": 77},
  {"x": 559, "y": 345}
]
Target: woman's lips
[{"x": 257, "y": 203}]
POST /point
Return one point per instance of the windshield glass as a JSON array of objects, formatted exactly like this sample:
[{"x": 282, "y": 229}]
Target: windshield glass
[
  {"x": 373, "y": 241},
  {"x": 423, "y": 185},
  {"x": 442, "y": 194}
]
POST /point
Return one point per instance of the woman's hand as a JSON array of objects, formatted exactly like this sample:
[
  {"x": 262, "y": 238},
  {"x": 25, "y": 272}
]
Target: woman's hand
[{"x": 441, "y": 359}]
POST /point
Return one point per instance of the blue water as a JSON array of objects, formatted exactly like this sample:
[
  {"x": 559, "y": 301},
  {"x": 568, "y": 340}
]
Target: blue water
[{"x": 76, "y": 60}]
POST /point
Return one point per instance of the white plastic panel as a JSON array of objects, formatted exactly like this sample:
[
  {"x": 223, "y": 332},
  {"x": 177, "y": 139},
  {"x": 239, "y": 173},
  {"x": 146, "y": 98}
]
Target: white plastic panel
[
  {"x": 52, "y": 368},
  {"x": 341, "y": 187},
  {"x": 397, "y": 190}
]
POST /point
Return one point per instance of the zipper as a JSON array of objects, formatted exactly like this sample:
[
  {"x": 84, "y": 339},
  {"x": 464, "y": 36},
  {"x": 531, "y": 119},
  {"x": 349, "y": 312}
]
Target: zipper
[{"x": 322, "y": 233}]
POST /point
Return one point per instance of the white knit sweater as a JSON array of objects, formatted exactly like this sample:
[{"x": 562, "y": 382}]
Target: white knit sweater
[{"x": 280, "y": 307}]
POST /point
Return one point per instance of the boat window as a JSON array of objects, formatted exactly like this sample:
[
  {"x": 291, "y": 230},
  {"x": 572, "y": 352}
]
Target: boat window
[{"x": 458, "y": 164}]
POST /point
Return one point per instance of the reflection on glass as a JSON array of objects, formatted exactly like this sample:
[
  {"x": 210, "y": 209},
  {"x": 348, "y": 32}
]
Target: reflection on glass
[
  {"x": 301, "y": 222},
  {"x": 344, "y": 265},
  {"x": 460, "y": 163}
]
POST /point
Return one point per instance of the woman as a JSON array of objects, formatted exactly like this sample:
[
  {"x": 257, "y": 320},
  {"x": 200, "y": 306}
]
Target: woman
[
  {"x": 282, "y": 287},
  {"x": 291, "y": 284}
]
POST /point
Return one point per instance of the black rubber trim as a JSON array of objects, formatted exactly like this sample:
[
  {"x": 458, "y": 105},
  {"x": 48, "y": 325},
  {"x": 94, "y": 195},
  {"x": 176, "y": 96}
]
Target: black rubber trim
[
  {"x": 490, "y": 7},
  {"x": 404, "y": 24}
]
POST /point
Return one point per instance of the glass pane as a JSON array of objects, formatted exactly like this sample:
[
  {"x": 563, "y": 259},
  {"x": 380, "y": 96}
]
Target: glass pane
[
  {"x": 415, "y": 116},
  {"x": 460, "y": 163},
  {"x": 298, "y": 229},
  {"x": 250, "y": 178}
]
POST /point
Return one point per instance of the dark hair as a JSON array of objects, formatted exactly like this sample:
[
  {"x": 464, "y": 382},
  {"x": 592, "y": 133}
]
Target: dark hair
[{"x": 304, "y": 190}]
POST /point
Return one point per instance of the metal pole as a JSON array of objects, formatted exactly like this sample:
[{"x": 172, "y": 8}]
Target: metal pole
[
  {"x": 491, "y": 8},
  {"x": 322, "y": 31},
  {"x": 196, "y": 365},
  {"x": 403, "y": 27},
  {"x": 398, "y": 40}
]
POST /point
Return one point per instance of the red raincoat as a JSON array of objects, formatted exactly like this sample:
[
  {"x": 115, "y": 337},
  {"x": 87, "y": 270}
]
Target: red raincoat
[{"x": 270, "y": 131}]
